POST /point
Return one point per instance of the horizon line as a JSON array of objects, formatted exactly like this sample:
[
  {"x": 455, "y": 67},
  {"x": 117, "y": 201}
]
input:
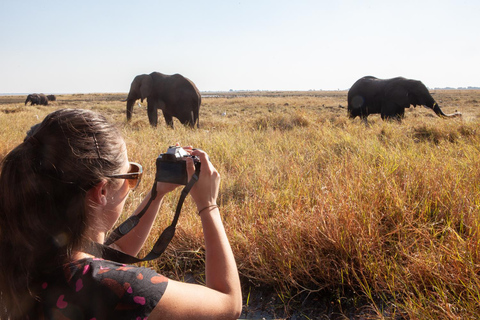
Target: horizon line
[{"x": 233, "y": 90}]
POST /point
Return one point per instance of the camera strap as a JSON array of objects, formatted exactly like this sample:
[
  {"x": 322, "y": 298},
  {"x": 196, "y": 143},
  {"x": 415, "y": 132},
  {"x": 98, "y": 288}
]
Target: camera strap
[{"x": 160, "y": 245}]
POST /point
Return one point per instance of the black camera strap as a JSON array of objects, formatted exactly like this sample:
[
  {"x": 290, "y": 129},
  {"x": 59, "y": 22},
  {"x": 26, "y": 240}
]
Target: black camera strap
[{"x": 160, "y": 245}]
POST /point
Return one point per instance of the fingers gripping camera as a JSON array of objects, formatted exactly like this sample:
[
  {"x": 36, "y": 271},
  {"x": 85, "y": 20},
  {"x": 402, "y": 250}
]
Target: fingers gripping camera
[{"x": 172, "y": 166}]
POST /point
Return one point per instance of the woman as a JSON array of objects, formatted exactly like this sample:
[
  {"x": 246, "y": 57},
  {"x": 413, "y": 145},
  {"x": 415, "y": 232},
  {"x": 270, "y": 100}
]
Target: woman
[{"x": 65, "y": 187}]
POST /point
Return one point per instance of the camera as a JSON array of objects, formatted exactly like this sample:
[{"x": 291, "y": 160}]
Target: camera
[{"x": 172, "y": 166}]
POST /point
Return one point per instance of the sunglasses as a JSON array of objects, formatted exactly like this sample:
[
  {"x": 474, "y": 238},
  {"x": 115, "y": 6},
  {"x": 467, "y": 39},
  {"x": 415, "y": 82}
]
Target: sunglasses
[{"x": 133, "y": 176}]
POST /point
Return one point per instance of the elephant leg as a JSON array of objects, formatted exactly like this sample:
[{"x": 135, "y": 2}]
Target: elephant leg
[
  {"x": 168, "y": 119},
  {"x": 152, "y": 114},
  {"x": 192, "y": 121},
  {"x": 167, "y": 116},
  {"x": 364, "y": 120},
  {"x": 394, "y": 111},
  {"x": 388, "y": 110},
  {"x": 187, "y": 118},
  {"x": 401, "y": 115}
]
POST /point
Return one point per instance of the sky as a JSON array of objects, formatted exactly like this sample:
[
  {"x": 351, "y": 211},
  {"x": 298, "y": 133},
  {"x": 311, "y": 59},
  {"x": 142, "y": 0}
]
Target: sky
[{"x": 100, "y": 46}]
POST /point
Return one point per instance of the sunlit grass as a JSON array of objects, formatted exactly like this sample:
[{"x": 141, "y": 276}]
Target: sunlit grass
[{"x": 382, "y": 220}]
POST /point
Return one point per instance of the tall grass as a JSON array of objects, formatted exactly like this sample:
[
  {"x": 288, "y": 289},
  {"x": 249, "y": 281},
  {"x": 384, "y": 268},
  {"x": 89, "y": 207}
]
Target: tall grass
[{"x": 383, "y": 220}]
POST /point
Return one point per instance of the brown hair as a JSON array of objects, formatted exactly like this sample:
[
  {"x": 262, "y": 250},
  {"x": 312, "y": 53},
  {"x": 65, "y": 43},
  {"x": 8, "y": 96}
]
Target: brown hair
[{"x": 43, "y": 184}]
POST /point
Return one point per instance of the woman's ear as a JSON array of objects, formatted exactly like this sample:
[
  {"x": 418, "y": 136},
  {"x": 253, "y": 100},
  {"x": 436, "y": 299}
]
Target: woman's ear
[{"x": 98, "y": 193}]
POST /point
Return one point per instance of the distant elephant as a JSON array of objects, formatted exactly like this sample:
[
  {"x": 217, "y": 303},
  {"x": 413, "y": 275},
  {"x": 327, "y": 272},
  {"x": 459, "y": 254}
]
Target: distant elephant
[
  {"x": 51, "y": 97},
  {"x": 175, "y": 95},
  {"x": 37, "y": 98},
  {"x": 389, "y": 97}
]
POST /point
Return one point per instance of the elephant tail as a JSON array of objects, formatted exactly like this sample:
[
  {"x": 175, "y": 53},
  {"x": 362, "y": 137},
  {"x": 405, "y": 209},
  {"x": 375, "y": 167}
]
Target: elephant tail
[{"x": 197, "y": 111}]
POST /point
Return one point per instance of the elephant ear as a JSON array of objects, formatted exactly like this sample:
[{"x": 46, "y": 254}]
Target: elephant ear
[{"x": 146, "y": 86}]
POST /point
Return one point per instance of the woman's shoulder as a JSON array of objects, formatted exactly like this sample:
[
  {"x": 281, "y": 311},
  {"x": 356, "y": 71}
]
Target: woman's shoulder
[
  {"x": 98, "y": 286},
  {"x": 107, "y": 269}
]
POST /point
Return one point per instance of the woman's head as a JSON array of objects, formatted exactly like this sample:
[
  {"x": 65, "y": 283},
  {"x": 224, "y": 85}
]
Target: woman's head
[{"x": 43, "y": 185}]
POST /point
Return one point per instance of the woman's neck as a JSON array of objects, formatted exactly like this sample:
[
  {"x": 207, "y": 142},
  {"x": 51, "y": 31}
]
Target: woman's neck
[
  {"x": 78, "y": 255},
  {"x": 89, "y": 248}
]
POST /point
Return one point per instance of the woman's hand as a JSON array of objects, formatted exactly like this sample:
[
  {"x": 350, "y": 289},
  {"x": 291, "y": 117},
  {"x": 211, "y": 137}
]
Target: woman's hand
[
  {"x": 205, "y": 191},
  {"x": 164, "y": 187}
]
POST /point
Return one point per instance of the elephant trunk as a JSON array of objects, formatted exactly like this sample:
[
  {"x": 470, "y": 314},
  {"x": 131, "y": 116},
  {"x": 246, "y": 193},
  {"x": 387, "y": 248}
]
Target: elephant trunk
[
  {"x": 130, "y": 103},
  {"x": 439, "y": 112}
]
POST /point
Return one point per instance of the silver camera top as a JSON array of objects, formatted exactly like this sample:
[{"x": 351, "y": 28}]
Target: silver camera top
[{"x": 177, "y": 152}]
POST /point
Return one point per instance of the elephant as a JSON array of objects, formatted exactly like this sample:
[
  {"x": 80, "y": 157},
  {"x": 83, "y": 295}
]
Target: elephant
[
  {"x": 51, "y": 97},
  {"x": 389, "y": 97},
  {"x": 174, "y": 94},
  {"x": 37, "y": 98}
]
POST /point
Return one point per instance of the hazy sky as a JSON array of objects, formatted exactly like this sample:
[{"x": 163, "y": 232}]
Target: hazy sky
[{"x": 99, "y": 46}]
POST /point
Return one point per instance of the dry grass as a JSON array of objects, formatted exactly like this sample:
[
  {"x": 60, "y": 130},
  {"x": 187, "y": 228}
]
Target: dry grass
[{"x": 371, "y": 222}]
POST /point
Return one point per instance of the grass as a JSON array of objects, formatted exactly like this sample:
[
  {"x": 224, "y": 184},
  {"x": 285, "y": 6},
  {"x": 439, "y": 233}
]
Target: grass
[{"x": 327, "y": 218}]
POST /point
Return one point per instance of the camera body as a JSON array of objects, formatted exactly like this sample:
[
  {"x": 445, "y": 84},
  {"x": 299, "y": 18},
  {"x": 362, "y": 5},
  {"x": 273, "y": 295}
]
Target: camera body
[{"x": 172, "y": 166}]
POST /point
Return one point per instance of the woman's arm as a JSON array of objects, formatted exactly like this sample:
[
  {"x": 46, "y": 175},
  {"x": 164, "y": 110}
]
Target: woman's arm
[
  {"x": 132, "y": 242},
  {"x": 221, "y": 298}
]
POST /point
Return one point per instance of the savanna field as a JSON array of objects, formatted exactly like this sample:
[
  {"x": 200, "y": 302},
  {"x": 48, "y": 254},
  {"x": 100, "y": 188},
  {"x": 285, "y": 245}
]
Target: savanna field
[{"x": 327, "y": 218}]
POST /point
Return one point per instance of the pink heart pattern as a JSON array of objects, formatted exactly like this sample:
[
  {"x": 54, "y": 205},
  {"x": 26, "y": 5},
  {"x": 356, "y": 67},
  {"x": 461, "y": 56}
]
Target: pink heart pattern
[
  {"x": 139, "y": 300},
  {"x": 60, "y": 303},
  {"x": 79, "y": 285}
]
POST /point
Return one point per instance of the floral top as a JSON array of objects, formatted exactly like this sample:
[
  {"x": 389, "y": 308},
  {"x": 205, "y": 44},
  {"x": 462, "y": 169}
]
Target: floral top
[{"x": 95, "y": 289}]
